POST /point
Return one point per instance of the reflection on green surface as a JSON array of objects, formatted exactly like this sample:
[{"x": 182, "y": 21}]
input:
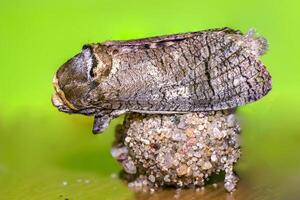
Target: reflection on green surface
[
  {"x": 55, "y": 156},
  {"x": 42, "y": 160},
  {"x": 45, "y": 154}
]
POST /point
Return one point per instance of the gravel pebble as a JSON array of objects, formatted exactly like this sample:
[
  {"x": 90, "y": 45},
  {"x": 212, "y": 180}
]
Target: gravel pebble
[{"x": 179, "y": 150}]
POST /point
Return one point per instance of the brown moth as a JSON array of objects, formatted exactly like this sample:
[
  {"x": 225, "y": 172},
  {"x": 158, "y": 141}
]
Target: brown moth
[{"x": 208, "y": 70}]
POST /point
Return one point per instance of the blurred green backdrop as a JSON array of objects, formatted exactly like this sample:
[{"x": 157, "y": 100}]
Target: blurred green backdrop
[{"x": 45, "y": 154}]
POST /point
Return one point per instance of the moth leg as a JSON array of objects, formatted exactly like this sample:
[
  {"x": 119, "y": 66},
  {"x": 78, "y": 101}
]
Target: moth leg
[
  {"x": 101, "y": 123},
  {"x": 102, "y": 120}
]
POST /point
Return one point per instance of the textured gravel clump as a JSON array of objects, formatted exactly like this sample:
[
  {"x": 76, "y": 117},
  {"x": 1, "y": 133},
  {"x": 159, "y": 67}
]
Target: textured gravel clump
[{"x": 181, "y": 150}]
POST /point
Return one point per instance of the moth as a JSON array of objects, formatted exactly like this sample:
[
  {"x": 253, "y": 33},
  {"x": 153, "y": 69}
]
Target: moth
[{"x": 208, "y": 70}]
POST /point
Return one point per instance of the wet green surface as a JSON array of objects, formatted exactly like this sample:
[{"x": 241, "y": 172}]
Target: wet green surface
[
  {"x": 55, "y": 156},
  {"x": 45, "y": 154}
]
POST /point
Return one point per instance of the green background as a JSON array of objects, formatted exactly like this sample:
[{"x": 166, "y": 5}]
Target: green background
[{"x": 45, "y": 154}]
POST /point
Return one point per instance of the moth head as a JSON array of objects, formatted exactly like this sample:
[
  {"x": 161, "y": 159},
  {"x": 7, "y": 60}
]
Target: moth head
[{"x": 73, "y": 81}]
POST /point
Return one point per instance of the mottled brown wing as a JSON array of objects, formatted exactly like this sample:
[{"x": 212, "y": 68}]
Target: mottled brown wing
[
  {"x": 212, "y": 70},
  {"x": 165, "y": 38},
  {"x": 234, "y": 86},
  {"x": 243, "y": 82}
]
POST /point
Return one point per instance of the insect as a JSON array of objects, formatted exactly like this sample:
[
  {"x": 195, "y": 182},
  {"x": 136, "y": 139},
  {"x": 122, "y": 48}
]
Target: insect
[{"x": 214, "y": 69}]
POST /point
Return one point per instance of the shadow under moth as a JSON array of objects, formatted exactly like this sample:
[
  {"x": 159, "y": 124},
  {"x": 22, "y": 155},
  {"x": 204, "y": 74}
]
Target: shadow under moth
[{"x": 210, "y": 70}]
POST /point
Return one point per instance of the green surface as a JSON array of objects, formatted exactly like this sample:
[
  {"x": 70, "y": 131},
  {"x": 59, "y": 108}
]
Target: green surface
[{"x": 45, "y": 154}]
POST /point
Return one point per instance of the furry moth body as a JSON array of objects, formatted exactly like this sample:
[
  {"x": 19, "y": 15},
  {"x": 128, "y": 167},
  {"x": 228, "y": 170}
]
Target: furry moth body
[{"x": 209, "y": 70}]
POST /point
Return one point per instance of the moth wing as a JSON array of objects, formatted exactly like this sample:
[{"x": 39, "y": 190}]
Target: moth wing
[
  {"x": 243, "y": 83},
  {"x": 240, "y": 84},
  {"x": 233, "y": 82},
  {"x": 164, "y": 38}
]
